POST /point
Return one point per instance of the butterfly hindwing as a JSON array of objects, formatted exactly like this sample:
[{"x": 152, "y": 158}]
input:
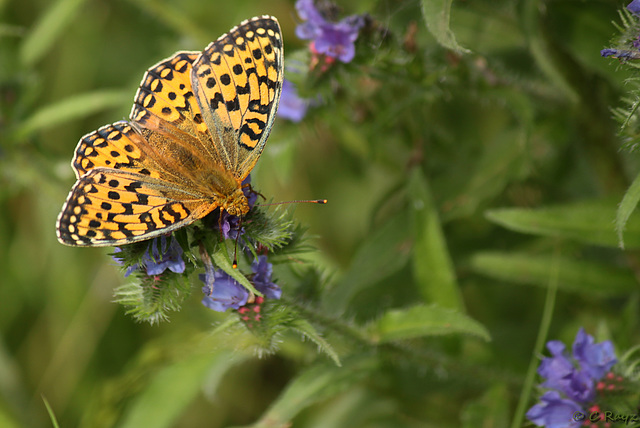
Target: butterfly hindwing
[
  {"x": 111, "y": 207},
  {"x": 117, "y": 146}
]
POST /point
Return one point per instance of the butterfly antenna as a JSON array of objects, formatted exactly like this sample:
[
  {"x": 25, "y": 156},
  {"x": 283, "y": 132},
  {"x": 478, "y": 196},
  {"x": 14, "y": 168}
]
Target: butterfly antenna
[
  {"x": 299, "y": 201},
  {"x": 235, "y": 247}
]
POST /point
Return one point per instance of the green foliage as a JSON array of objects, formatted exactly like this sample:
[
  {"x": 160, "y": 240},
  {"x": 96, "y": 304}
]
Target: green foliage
[
  {"x": 317, "y": 383},
  {"x": 588, "y": 277},
  {"x": 436, "y": 14},
  {"x": 54, "y": 422},
  {"x": 420, "y": 321},
  {"x": 150, "y": 299},
  {"x": 431, "y": 264},
  {"x": 479, "y": 206},
  {"x": 274, "y": 230},
  {"x": 589, "y": 221}
]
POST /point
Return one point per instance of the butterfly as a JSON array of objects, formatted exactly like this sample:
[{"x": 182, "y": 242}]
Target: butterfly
[{"x": 198, "y": 125}]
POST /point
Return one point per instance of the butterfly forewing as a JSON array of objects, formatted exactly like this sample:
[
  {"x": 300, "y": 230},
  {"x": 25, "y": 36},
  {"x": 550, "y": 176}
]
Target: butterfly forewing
[
  {"x": 188, "y": 143},
  {"x": 237, "y": 81},
  {"x": 169, "y": 117}
]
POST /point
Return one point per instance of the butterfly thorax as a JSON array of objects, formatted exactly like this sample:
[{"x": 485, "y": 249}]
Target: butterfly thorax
[{"x": 221, "y": 188}]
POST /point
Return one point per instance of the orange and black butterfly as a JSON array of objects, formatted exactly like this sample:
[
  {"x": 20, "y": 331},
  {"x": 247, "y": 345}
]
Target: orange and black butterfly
[{"x": 199, "y": 123}]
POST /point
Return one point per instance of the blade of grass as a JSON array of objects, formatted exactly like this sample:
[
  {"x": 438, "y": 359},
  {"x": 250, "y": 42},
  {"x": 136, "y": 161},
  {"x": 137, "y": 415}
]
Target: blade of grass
[
  {"x": 625, "y": 209},
  {"x": 48, "y": 29},
  {"x": 52, "y": 415},
  {"x": 74, "y": 107},
  {"x": 543, "y": 332}
]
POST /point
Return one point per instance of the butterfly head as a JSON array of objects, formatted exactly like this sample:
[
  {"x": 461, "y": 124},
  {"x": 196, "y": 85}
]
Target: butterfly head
[{"x": 236, "y": 203}]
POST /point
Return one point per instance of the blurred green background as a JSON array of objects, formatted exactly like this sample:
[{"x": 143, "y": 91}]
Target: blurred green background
[{"x": 419, "y": 150}]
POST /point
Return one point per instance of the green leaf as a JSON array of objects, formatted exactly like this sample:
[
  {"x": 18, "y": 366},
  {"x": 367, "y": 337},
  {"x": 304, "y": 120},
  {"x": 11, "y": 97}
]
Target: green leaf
[
  {"x": 502, "y": 160},
  {"x": 47, "y": 30},
  {"x": 74, "y": 107},
  {"x": 149, "y": 301},
  {"x": 383, "y": 253},
  {"x": 308, "y": 330},
  {"x": 360, "y": 407},
  {"x": 272, "y": 228},
  {"x": 545, "y": 52},
  {"x": 432, "y": 266},
  {"x": 587, "y": 277},
  {"x": 174, "y": 387},
  {"x": 436, "y": 14},
  {"x": 626, "y": 208},
  {"x": 221, "y": 260},
  {"x": 590, "y": 222},
  {"x": 422, "y": 320},
  {"x": 316, "y": 384}
]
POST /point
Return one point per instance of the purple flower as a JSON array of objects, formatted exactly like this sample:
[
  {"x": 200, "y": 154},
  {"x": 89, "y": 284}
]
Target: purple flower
[
  {"x": 156, "y": 260},
  {"x": 221, "y": 291},
  {"x": 553, "y": 411},
  {"x": 596, "y": 359},
  {"x": 571, "y": 379},
  {"x": 634, "y": 7},
  {"x": 292, "y": 106},
  {"x": 622, "y": 54},
  {"x": 576, "y": 376},
  {"x": 334, "y": 39},
  {"x": 608, "y": 52},
  {"x": 118, "y": 260},
  {"x": 557, "y": 368},
  {"x": 561, "y": 374},
  {"x": 262, "y": 278}
]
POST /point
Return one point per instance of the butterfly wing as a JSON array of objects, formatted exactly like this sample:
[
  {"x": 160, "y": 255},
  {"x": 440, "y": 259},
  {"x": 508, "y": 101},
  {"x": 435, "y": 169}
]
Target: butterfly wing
[
  {"x": 237, "y": 82},
  {"x": 113, "y": 207},
  {"x": 131, "y": 185},
  {"x": 169, "y": 119},
  {"x": 117, "y": 146}
]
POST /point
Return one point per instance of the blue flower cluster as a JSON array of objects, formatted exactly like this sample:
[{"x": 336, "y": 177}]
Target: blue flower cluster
[
  {"x": 221, "y": 291},
  {"x": 570, "y": 380},
  {"x": 633, "y": 7},
  {"x": 158, "y": 258},
  {"x": 292, "y": 106},
  {"x": 333, "y": 40}
]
